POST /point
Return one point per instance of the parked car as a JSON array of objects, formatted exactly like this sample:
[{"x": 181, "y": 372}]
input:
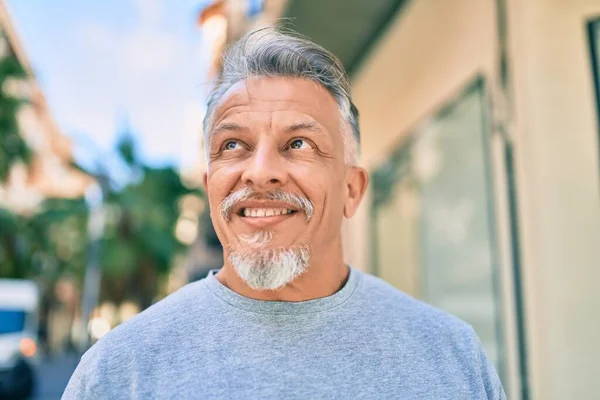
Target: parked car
[{"x": 19, "y": 305}]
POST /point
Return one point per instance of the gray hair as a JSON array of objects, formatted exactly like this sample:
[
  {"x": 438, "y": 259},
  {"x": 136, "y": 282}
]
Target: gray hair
[{"x": 269, "y": 52}]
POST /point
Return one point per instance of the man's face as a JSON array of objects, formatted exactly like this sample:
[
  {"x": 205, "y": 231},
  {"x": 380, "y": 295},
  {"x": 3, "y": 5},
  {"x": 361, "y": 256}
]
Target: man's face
[{"x": 277, "y": 177}]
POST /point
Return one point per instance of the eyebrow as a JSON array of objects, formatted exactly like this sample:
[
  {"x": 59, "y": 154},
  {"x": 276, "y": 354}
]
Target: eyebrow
[
  {"x": 302, "y": 126},
  {"x": 228, "y": 127}
]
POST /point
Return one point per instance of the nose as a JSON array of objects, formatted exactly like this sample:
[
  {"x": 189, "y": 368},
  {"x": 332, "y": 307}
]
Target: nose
[{"x": 265, "y": 169}]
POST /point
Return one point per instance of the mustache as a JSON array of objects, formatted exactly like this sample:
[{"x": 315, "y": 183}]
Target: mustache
[{"x": 298, "y": 201}]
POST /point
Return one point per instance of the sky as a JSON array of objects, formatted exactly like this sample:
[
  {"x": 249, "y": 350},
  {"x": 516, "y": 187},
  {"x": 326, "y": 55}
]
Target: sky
[{"x": 104, "y": 65}]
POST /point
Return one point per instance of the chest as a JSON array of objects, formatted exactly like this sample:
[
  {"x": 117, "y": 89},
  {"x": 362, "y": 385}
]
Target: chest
[{"x": 297, "y": 365}]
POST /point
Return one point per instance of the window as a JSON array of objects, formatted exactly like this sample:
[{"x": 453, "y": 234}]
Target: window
[
  {"x": 594, "y": 37},
  {"x": 11, "y": 321},
  {"x": 433, "y": 218}
]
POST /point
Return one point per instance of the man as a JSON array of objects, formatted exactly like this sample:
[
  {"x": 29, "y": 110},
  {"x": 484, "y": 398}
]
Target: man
[{"x": 285, "y": 317}]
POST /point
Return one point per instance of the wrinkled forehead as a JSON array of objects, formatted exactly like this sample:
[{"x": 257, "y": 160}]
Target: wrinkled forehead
[{"x": 298, "y": 96}]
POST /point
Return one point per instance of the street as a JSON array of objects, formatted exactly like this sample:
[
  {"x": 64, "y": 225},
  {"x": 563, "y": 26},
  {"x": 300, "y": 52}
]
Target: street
[{"x": 53, "y": 376}]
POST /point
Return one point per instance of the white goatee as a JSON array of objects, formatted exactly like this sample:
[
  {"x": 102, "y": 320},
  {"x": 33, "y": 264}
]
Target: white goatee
[{"x": 268, "y": 269}]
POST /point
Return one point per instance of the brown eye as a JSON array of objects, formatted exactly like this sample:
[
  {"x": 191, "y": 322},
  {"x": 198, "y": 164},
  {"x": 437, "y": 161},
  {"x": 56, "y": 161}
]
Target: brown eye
[{"x": 299, "y": 144}]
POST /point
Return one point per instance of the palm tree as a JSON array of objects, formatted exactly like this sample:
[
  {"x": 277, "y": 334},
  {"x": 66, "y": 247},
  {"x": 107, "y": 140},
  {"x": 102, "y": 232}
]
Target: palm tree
[{"x": 139, "y": 245}]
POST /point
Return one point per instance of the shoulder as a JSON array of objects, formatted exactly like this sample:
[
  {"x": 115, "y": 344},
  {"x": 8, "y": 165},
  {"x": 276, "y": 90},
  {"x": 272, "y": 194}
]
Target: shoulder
[
  {"x": 171, "y": 313},
  {"x": 132, "y": 341},
  {"x": 413, "y": 322},
  {"x": 389, "y": 302},
  {"x": 435, "y": 335}
]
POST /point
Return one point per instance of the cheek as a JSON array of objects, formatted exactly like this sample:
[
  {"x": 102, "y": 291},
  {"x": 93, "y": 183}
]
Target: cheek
[
  {"x": 219, "y": 184},
  {"x": 321, "y": 185}
]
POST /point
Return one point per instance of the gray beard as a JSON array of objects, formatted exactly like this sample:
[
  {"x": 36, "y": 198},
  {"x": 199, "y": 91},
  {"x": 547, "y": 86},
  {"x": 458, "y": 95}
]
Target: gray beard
[{"x": 269, "y": 269}]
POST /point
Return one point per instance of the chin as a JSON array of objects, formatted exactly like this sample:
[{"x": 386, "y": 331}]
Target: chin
[{"x": 269, "y": 269}]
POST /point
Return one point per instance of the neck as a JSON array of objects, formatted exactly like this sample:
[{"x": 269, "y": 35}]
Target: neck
[{"x": 326, "y": 274}]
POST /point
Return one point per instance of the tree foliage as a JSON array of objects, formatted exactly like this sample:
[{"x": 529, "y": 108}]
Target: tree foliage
[
  {"x": 138, "y": 244},
  {"x": 48, "y": 243},
  {"x": 13, "y": 147}
]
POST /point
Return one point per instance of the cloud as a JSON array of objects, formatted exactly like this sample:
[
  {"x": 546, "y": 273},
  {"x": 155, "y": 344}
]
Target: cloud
[
  {"x": 98, "y": 37},
  {"x": 146, "y": 49},
  {"x": 150, "y": 11},
  {"x": 146, "y": 65},
  {"x": 148, "y": 53},
  {"x": 150, "y": 50}
]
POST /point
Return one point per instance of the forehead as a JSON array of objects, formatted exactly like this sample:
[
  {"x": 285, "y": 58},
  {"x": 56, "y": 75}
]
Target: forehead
[{"x": 293, "y": 96}]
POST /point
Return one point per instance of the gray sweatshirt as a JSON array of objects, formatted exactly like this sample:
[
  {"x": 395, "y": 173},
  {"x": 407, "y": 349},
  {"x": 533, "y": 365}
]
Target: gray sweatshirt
[{"x": 367, "y": 341}]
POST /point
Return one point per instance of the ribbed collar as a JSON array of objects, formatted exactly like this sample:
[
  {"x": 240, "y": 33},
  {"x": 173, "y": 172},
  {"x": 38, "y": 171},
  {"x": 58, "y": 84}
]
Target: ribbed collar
[{"x": 283, "y": 307}]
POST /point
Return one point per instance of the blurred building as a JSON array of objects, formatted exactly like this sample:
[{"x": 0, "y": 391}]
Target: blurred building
[
  {"x": 50, "y": 173},
  {"x": 480, "y": 133}
]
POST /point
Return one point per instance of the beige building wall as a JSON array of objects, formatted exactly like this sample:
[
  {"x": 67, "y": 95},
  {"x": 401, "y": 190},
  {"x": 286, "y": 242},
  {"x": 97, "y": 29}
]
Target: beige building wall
[
  {"x": 427, "y": 56},
  {"x": 406, "y": 80},
  {"x": 557, "y": 163},
  {"x": 431, "y": 52}
]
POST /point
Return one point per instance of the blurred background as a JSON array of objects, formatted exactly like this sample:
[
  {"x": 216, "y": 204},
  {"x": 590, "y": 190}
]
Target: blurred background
[{"x": 479, "y": 130}]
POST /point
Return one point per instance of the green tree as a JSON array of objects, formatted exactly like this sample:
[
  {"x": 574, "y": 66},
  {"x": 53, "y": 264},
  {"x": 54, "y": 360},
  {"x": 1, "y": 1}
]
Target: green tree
[
  {"x": 14, "y": 257},
  {"x": 51, "y": 242},
  {"x": 12, "y": 144},
  {"x": 139, "y": 244}
]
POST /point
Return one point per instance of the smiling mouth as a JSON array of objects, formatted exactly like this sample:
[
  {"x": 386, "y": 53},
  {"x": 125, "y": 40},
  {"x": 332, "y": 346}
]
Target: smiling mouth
[{"x": 265, "y": 212}]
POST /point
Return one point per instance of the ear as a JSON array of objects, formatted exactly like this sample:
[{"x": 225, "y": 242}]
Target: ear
[
  {"x": 357, "y": 180},
  {"x": 205, "y": 182}
]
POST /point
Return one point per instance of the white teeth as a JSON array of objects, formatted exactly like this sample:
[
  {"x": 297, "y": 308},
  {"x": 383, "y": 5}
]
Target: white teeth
[{"x": 265, "y": 212}]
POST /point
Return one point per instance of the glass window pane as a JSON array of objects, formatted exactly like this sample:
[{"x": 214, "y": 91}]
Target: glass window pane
[
  {"x": 433, "y": 218},
  {"x": 594, "y": 37},
  {"x": 11, "y": 321}
]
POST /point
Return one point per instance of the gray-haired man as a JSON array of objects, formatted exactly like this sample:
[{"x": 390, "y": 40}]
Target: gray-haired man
[{"x": 285, "y": 317}]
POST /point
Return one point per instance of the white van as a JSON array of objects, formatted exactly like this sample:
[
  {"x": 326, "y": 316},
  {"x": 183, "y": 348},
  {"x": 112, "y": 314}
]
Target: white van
[{"x": 19, "y": 319}]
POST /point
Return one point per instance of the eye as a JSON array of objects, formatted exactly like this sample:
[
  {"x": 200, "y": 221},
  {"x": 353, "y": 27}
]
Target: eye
[
  {"x": 298, "y": 144},
  {"x": 231, "y": 145}
]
